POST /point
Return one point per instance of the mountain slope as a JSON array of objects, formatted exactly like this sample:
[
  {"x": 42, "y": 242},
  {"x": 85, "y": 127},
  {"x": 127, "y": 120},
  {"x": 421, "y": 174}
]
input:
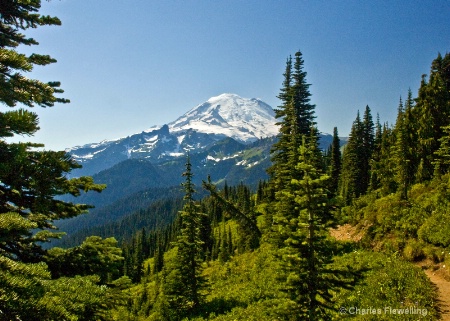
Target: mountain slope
[
  {"x": 227, "y": 115},
  {"x": 123, "y": 179},
  {"x": 242, "y": 119}
]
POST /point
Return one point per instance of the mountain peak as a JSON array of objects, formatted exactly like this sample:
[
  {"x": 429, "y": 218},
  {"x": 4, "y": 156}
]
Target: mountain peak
[
  {"x": 227, "y": 115},
  {"x": 230, "y": 115}
]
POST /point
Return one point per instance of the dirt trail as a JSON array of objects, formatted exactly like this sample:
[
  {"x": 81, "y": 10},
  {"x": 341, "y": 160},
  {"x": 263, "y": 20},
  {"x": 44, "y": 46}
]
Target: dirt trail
[
  {"x": 443, "y": 290},
  {"x": 436, "y": 275}
]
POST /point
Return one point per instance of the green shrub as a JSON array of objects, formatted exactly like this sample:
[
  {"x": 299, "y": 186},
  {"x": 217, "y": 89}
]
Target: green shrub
[
  {"x": 413, "y": 250},
  {"x": 386, "y": 283},
  {"x": 436, "y": 254},
  {"x": 436, "y": 229}
]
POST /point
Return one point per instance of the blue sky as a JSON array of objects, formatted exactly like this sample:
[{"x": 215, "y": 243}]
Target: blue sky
[{"x": 129, "y": 65}]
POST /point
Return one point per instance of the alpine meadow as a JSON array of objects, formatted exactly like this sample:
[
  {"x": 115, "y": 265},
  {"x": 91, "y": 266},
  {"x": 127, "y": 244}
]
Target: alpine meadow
[{"x": 234, "y": 211}]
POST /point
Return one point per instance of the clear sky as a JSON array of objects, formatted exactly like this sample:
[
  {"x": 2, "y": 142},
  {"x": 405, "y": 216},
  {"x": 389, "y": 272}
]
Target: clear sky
[{"x": 129, "y": 65}]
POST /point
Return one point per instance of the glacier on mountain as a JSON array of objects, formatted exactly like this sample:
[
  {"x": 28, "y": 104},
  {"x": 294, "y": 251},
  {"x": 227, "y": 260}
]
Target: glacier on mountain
[{"x": 243, "y": 119}]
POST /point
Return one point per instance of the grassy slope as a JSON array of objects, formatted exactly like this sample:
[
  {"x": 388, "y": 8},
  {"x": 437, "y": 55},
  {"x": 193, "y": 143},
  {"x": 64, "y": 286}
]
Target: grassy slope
[{"x": 248, "y": 287}]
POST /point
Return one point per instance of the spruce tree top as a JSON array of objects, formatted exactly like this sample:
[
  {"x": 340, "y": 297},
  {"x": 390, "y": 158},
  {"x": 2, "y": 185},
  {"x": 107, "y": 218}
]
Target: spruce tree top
[{"x": 15, "y": 17}]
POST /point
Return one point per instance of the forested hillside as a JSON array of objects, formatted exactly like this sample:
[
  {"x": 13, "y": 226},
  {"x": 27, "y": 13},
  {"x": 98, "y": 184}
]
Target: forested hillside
[
  {"x": 241, "y": 252},
  {"x": 267, "y": 254}
]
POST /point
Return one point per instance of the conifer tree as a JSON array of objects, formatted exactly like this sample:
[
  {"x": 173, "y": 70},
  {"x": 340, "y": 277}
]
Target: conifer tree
[
  {"x": 432, "y": 111},
  {"x": 357, "y": 157},
  {"x": 224, "y": 250},
  {"x": 335, "y": 162},
  {"x": 183, "y": 292},
  {"x": 31, "y": 179},
  {"x": 159, "y": 259},
  {"x": 400, "y": 150},
  {"x": 411, "y": 138},
  {"x": 368, "y": 141},
  {"x": 305, "y": 253},
  {"x": 376, "y": 156},
  {"x": 296, "y": 116},
  {"x": 352, "y": 171},
  {"x": 296, "y": 121},
  {"x": 442, "y": 155},
  {"x": 404, "y": 148},
  {"x": 303, "y": 109},
  {"x": 280, "y": 149}
]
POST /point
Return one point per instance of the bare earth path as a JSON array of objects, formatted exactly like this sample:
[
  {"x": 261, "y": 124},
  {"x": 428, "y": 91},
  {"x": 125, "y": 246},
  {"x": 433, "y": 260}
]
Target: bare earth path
[
  {"x": 347, "y": 232},
  {"x": 443, "y": 289}
]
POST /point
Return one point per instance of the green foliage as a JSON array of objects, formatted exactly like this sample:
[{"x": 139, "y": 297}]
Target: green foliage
[
  {"x": 16, "y": 17},
  {"x": 27, "y": 293},
  {"x": 442, "y": 162},
  {"x": 305, "y": 253},
  {"x": 415, "y": 227},
  {"x": 296, "y": 119},
  {"x": 431, "y": 111},
  {"x": 182, "y": 284},
  {"x": 96, "y": 256},
  {"x": 436, "y": 229},
  {"x": 413, "y": 250},
  {"x": 387, "y": 284},
  {"x": 336, "y": 162},
  {"x": 243, "y": 282},
  {"x": 30, "y": 181},
  {"x": 356, "y": 163}
]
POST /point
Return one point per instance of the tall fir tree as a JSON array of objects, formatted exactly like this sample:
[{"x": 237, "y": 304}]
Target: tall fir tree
[
  {"x": 183, "y": 291},
  {"x": 31, "y": 179},
  {"x": 432, "y": 111},
  {"x": 357, "y": 158},
  {"x": 280, "y": 150},
  {"x": 376, "y": 156},
  {"x": 404, "y": 147},
  {"x": 335, "y": 162},
  {"x": 305, "y": 253},
  {"x": 296, "y": 116},
  {"x": 368, "y": 141},
  {"x": 351, "y": 184},
  {"x": 400, "y": 151},
  {"x": 411, "y": 138},
  {"x": 303, "y": 109}
]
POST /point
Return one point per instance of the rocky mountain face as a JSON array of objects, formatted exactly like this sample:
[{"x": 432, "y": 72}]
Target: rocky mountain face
[{"x": 225, "y": 116}]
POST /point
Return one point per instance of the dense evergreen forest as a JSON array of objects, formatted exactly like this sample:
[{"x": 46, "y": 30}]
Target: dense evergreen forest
[{"x": 238, "y": 253}]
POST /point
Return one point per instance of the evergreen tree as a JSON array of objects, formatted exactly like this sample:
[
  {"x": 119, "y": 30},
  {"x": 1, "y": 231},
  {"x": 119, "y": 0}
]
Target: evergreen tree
[
  {"x": 432, "y": 112},
  {"x": 442, "y": 160},
  {"x": 411, "y": 138},
  {"x": 400, "y": 150},
  {"x": 404, "y": 148},
  {"x": 95, "y": 256},
  {"x": 224, "y": 250},
  {"x": 296, "y": 116},
  {"x": 305, "y": 253},
  {"x": 335, "y": 162},
  {"x": 357, "y": 157},
  {"x": 31, "y": 179},
  {"x": 297, "y": 121},
  {"x": 303, "y": 109},
  {"x": 352, "y": 169},
  {"x": 183, "y": 291},
  {"x": 368, "y": 141},
  {"x": 280, "y": 149},
  {"x": 159, "y": 258},
  {"x": 376, "y": 156}
]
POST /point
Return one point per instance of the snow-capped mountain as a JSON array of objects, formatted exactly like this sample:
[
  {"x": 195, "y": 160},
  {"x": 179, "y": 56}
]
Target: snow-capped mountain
[
  {"x": 230, "y": 115},
  {"x": 225, "y": 116}
]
